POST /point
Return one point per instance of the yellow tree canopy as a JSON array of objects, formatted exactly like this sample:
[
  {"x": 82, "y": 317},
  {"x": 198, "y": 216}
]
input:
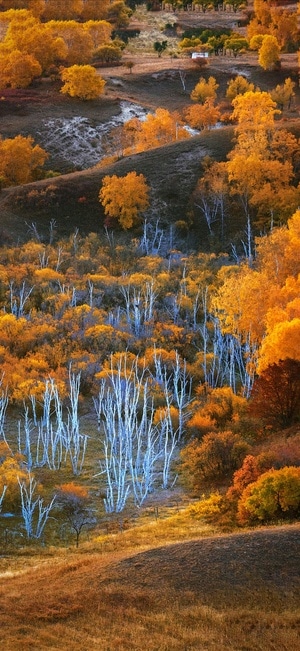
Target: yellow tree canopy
[
  {"x": 29, "y": 35},
  {"x": 238, "y": 86},
  {"x": 66, "y": 10},
  {"x": 269, "y": 53},
  {"x": 254, "y": 110},
  {"x": 82, "y": 81},
  {"x": 202, "y": 116},
  {"x": 18, "y": 70},
  {"x": 124, "y": 198},
  {"x": 20, "y": 160},
  {"x": 263, "y": 302},
  {"x": 77, "y": 39},
  {"x": 204, "y": 90},
  {"x": 158, "y": 129}
]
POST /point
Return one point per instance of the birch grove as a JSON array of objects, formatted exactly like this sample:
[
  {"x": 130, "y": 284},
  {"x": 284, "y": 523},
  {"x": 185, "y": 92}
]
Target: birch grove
[
  {"x": 137, "y": 451},
  {"x": 55, "y": 438}
]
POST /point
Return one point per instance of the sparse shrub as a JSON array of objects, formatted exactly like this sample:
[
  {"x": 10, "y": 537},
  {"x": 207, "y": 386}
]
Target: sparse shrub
[
  {"x": 74, "y": 503},
  {"x": 209, "y": 508}
]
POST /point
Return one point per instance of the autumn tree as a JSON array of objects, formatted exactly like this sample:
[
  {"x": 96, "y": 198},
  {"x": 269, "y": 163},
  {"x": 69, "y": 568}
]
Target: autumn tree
[
  {"x": 238, "y": 86},
  {"x": 284, "y": 93},
  {"x": 77, "y": 39},
  {"x": 118, "y": 13},
  {"x": 20, "y": 160},
  {"x": 276, "y": 393},
  {"x": 254, "y": 111},
  {"x": 28, "y": 35},
  {"x": 285, "y": 28},
  {"x": 202, "y": 116},
  {"x": 215, "y": 458},
  {"x": 282, "y": 338},
  {"x": 256, "y": 42},
  {"x": 67, "y": 10},
  {"x": 158, "y": 129},
  {"x": 275, "y": 494},
  {"x": 82, "y": 81},
  {"x": 100, "y": 32},
  {"x": 269, "y": 53},
  {"x": 18, "y": 69},
  {"x": 74, "y": 503},
  {"x": 190, "y": 44},
  {"x": 255, "y": 173},
  {"x": 109, "y": 53},
  {"x": 262, "y": 20},
  {"x": 12, "y": 468},
  {"x": 236, "y": 44},
  {"x": 248, "y": 473},
  {"x": 95, "y": 10},
  {"x": 210, "y": 196},
  {"x": 124, "y": 198},
  {"x": 205, "y": 90},
  {"x": 260, "y": 304}
]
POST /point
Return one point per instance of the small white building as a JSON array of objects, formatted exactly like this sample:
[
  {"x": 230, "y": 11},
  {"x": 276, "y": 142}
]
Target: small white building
[{"x": 200, "y": 55}]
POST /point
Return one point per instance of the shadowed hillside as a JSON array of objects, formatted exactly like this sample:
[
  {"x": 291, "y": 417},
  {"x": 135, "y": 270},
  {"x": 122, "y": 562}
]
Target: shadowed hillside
[
  {"x": 72, "y": 200},
  {"x": 225, "y": 593}
]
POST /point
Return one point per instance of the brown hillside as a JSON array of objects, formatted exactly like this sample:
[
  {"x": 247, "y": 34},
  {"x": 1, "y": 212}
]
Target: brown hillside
[{"x": 226, "y": 593}]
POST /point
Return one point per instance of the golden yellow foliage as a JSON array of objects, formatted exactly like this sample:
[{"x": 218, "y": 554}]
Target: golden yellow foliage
[
  {"x": 18, "y": 69},
  {"x": 20, "y": 160},
  {"x": 82, "y": 81},
  {"x": 269, "y": 52},
  {"x": 10, "y": 470},
  {"x": 124, "y": 198},
  {"x": 254, "y": 110},
  {"x": 202, "y": 116},
  {"x": 66, "y": 10},
  {"x": 205, "y": 90},
  {"x": 157, "y": 129}
]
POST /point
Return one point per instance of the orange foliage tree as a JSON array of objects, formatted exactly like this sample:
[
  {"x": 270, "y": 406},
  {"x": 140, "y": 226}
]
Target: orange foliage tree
[
  {"x": 202, "y": 116},
  {"x": 20, "y": 160},
  {"x": 156, "y": 130},
  {"x": 12, "y": 468},
  {"x": 124, "y": 198},
  {"x": 18, "y": 69},
  {"x": 215, "y": 458},
  {"x": 27, "y": 34},
  {"x": 276, "y": 393},
  {"x": 82, "y": 81}
]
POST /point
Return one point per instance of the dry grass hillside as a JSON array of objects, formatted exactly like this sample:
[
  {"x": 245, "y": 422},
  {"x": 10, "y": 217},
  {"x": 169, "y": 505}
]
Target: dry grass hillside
[{"x": 223, "y": 593}]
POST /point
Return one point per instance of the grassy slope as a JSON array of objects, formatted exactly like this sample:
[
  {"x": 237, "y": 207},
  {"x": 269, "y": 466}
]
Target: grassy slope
[
  {"x": 171, "y": 172},
  {"x": 225, "y": 593}
]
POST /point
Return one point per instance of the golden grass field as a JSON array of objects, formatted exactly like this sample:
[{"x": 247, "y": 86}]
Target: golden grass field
[{"x": 132, "y": 591}]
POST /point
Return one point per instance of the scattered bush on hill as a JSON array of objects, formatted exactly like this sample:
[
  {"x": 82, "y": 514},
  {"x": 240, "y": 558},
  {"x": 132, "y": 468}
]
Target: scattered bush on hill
[{"x": 275, "y": 495}]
